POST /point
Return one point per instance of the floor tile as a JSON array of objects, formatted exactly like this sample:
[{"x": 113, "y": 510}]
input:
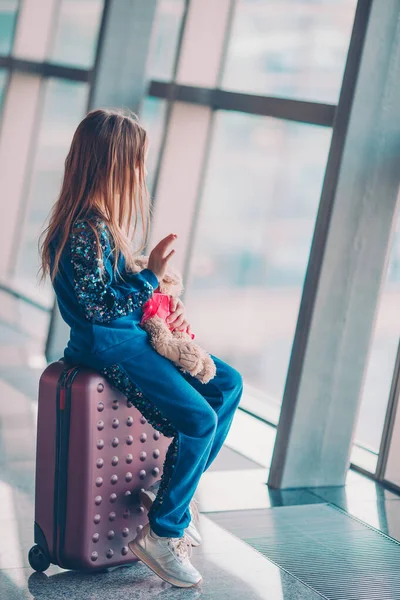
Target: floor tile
[
  {"x": 388, "y": 518},
  {"x": 366, "y": 500},
  {"x": 292, "y": 497},
  {"x": 368, "y": 486},
  {"x": 19, "y": 475},
  {"x": 231, "y": 570},
  {"x": 383, "y": 515},
  {"x": 245, "y": 490},
  {"x": 233, "y": 490},
  {"x": 25, "y": 380},
  {"x": 350, "y": 495},
  {"x": 337, "y": 555},
  {"x": 252, "y": 438},
  {"x": 230, "y": 460},
  {"x": 236, "y": 481},
  {"x": 10, "y": 335}
]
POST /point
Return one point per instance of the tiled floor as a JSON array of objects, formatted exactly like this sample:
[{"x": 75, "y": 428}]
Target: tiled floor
[{"x": 231, "y": 568}]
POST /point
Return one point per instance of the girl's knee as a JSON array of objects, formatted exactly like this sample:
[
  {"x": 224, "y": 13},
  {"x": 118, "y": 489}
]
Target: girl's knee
[
  {"x": 208, "y": 422},
  {"x": 228, "y": 378},
  {"x": 236, "y": 388},
  {"x": 236, "y": 379},
  {"x": 204, "y": 424}
]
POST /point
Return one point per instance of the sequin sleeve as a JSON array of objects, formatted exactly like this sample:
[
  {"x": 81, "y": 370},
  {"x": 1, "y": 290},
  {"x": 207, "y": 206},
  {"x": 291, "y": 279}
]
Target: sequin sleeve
[{"x": 101, "y": 298}]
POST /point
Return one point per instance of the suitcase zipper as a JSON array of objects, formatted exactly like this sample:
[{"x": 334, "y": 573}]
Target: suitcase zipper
[
  {"x": 61, "y": 463},
  {"x": 60, "y": 384}
]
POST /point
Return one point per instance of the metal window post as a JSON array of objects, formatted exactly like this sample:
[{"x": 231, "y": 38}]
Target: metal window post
[
  {"x": 124, "y": 41},
  {"x": 347, "y": 261}
]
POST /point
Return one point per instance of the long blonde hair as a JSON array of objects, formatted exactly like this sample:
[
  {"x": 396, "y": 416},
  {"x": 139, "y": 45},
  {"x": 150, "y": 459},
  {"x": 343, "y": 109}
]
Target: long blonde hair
[{"x": 104, "y": 172}]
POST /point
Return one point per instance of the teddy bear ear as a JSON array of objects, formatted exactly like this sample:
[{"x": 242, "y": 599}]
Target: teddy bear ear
[
  {"x": 175, "y": 277},
  {"x": 141, "y": 261},
  {"x": 171, "y": 279}
]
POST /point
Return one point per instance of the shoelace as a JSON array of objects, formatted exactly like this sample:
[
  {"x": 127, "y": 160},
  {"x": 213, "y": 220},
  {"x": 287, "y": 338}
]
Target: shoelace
[{"x": 182, "y": 547}]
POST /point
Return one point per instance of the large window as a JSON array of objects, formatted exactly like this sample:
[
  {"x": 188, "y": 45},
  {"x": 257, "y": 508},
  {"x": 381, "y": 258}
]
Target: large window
[
  {"x": 261, "y": 177},
  {"x": 289, "y": 48},
  {"x": 239, "y": 109},
  {"x": 382, "y": 356},
  {"x": 77, "y": 31},
  {"x": 65, "y": 33},
  {"x": 153, "y": 115},
  {"x": 253, "y": 238},
  {"x": 165, "y": 39},
  {"x": 8, "y": 16},
  {"x": 64, "y": 106},
  {"x": 251, "y": 191},
  {"x": 3, "y": 80}
]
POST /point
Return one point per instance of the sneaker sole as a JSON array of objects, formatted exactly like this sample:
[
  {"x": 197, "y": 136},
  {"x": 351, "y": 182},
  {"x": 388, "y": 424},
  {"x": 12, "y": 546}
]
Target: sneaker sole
[
  {"x": 154, "y": 566},
  {"x": 147, "y": 502}
]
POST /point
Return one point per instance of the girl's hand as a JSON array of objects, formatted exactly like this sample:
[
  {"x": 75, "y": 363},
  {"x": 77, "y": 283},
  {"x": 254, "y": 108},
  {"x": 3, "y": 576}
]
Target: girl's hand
[
  {"x": 177, "y": 317},
  {"x": 158, "y": 259}
]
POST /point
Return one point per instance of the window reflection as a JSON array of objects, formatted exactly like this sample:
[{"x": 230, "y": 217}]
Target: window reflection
[
  {"x": 77, "y": 31},
  {"x": 153, "y": 115},
  {"x": 64, "y": 105},
  {"x": 8, "y": 15},
  {"x": 165, "y": 37},
  {"x": 3, "y": 80},
  {"x": 287, "y": 48},
  {"x": 253, "y": 239}
]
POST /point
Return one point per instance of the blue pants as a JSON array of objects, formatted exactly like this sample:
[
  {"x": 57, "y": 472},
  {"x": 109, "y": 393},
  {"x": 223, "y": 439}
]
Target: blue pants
[{"x": 198, "y": 417}]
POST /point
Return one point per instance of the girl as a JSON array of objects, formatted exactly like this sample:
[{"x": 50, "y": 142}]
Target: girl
[{"x": 88, "y": 252}]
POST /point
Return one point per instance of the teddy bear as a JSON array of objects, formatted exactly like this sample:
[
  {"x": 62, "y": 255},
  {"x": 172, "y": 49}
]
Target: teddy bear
[{"x": 177, "y": 346}]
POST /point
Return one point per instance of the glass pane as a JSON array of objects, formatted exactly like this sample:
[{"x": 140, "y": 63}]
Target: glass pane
[
  {"x": 64, "y": 106},
  {"x": 382, "y": 357},
  {"x": 165, "y": 39},
  {"x": 8, "y": 16},
  {"x": 289, "y": 48},
  {"x": 251, "y": 250},
  {"x": 3, "y": 80},
  {"x": 152, "y": 116},
  {"x": 77, "y": 31}
]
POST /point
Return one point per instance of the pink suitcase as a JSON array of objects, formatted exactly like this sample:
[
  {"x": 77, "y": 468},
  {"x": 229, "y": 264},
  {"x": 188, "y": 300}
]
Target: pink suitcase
[{"x": 94, "y": 453}]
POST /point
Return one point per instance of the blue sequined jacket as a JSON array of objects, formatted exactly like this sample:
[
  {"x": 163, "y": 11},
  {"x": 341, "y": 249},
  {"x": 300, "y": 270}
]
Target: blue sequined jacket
[{"x": 103, "y": 309}]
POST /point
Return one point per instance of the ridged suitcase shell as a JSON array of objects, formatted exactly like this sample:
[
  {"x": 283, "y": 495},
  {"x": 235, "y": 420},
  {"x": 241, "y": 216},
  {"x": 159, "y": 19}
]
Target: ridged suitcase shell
[{"x": 89, "y": 473}]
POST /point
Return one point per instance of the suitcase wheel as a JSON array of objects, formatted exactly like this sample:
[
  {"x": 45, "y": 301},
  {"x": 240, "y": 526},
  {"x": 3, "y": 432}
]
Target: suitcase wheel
[{"x": 38, "y": 559}]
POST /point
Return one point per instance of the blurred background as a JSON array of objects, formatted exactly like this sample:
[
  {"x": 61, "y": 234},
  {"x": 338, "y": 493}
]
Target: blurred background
[
  {"x": 253, "y": 186},
  {"x": 274, "y": 153}
]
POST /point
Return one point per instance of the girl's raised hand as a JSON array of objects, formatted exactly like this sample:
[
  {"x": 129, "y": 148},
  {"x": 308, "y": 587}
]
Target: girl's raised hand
[{"x": 158, "y": 259}]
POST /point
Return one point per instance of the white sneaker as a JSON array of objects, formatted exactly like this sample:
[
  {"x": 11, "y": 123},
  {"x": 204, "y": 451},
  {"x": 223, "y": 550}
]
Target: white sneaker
[
  {"x": 147, "y": 498},
  {"x": 167, "y": 557}
]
